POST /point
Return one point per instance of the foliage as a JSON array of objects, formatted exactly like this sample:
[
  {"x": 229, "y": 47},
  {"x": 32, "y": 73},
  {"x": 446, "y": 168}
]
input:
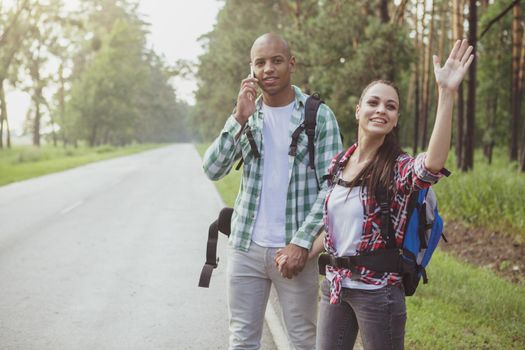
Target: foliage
[
  {"x": 103, "y": 98},
  {"x": 25, "y": 162},
  {"x": 465, "y": 307},
  {"x": 109, "y": 88},
  {"x": 494, "y": 80},
  {"x": 491, "y": 196},
  {"x": 228, "y": 186},
  {"x": 226, "y": 60},
  {"x": 332, "y": 45}
]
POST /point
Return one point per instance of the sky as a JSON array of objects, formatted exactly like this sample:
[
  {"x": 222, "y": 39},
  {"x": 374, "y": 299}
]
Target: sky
[{"x": 175, "y": 27}]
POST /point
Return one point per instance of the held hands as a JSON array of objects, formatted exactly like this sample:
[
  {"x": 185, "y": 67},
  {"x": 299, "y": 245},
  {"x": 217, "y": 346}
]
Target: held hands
[
  {"x": 291, "y": 260},
  {"x": 246, "y": 100},
  {"x": 453, "y": 71}
]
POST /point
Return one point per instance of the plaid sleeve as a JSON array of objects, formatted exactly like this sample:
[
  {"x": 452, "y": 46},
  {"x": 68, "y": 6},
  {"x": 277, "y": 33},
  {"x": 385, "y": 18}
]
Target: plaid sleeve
[
  {"x": 223, "y": 152},
  {"x": 327, "y": 145},
  {"x": 412, "y": 175}
]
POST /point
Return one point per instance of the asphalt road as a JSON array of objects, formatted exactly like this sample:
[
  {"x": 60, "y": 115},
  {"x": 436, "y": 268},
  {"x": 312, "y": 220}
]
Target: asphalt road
[{"x": 108, "y": 255}]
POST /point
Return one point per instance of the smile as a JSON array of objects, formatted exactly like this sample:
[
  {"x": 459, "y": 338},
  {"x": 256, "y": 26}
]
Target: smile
[{"x": 378, "y": 120}]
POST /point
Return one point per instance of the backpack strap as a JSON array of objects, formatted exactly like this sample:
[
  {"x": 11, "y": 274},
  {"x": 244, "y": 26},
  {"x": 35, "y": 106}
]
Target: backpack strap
[
  {"x": 383, "y": 200},
  {"x": 253, "y": 146},
  {"x": 334, "y": 169},
  {"x": 381, "y": 260},
  {"x": 223, "y": 224},
  {"x": 310, "y": 120},
  {"x": 424, "y": 225}
]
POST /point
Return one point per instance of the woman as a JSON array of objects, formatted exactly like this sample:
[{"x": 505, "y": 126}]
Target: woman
[{"x": 357, "y": 298}]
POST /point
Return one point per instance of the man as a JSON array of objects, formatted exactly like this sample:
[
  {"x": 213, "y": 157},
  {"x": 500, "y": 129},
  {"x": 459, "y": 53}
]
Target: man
[{"x": 279, "y": 205}]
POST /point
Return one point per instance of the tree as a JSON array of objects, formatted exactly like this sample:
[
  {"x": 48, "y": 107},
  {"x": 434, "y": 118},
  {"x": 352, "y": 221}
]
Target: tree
[
  {"x": 468, "y": 160},
  {"x": 12, "y": 29},
  {"x": 227, "y": 59},
  {"x": 43, "y": 32},
  {"x": 104, "y": 98},
  {"x": 425, "y": 104},
  {"x": 516, "y": 94},
  {"x": 458, "y": 17}
]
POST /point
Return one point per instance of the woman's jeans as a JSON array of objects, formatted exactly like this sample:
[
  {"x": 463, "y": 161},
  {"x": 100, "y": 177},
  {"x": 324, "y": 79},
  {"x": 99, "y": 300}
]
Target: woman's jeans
[{"x": 379, "y": 314}]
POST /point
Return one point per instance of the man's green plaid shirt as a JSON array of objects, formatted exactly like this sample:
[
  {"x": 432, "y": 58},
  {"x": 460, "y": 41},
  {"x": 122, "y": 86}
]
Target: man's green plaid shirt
[{"x": 304, "y": 203}]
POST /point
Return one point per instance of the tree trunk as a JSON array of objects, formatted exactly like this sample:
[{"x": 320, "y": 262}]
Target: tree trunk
[
  {"x": 383, "y": 11},
  {"x": 36, "y": 123},
  {"x": 426, "y": 80},
  {"x": 417, "y": 78},
  {"x": 515, "y": 95},
  {"x": 471, "y": 98},
  {"x": 522, "y": 157},
  {"x": 93, "y": 136},
  {"x": 521, "y": 83},
  {"x": 399, "y": 14},
  {"x": 442, "y": 29},
  {"x": 2, "y": 108},
  {"x": 488, "y": 137},
  {"x": 3, "y": 118},
  {"x": 458, "y": 33},
  {"x": 62, "y": 105}
]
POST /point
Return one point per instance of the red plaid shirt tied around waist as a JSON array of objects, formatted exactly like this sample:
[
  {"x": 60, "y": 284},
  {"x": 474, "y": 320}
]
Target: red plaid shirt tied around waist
[{"x": 410, "y": 175}]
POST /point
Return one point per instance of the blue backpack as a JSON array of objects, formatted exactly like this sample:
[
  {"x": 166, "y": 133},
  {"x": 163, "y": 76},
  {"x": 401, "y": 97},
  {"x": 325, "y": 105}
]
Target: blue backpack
[{"x": 423, "y": 232}]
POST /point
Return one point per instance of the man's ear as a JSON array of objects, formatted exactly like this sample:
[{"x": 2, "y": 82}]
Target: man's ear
[{"x": 291, "y": 62}]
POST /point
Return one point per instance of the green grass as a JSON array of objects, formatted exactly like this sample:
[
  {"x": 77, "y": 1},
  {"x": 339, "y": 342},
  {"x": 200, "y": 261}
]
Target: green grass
[
  {"x": 490, "y": 196},
  {"x": 228, "y": 186},
  {"x": 462, "y": 306},
  {"x": 465, "y": 307},
  {"x": 25, "y": 162}
]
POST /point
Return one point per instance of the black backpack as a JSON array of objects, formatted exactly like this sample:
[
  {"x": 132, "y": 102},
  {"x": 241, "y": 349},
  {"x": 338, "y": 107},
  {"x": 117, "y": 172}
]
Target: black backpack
[
  {"x": 308, "y": 126},
  {"x": 223, "y": 222}
]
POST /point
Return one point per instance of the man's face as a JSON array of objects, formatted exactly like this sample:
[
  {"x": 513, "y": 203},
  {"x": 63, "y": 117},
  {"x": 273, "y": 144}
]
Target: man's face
[{"x": 272, "y": 65}]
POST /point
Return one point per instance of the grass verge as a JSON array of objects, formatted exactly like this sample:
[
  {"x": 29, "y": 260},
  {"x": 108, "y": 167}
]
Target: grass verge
[
  {"x": 228, "y": 186},
  {"x": 465, "y": 307},
  {"x": 491, "y": 196},
  {"x": 25, "y": 162},
  {"x": 462, "y": 306}
]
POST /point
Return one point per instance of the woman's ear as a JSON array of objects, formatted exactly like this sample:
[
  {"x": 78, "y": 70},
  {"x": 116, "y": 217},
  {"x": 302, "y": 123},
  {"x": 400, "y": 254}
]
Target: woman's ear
[{"x": 357, "y": 112}]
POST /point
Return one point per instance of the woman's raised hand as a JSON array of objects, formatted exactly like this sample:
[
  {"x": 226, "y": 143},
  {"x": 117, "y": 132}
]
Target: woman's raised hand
[{"x": 453, "y": 71}]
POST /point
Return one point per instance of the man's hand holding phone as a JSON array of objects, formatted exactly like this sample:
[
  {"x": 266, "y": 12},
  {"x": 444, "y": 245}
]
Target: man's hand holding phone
[{"x": 246, "y": 98}]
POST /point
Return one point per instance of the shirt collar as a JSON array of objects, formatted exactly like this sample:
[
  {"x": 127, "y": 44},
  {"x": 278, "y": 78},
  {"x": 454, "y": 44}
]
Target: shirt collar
[{"x": 300, "y": 99}]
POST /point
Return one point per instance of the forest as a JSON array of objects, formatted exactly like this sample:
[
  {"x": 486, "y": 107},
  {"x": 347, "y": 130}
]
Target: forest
[
  {"x": 90, "y": 73},
  {"x": 341, "y": 45},
  {"x": 92, "y": 76}
]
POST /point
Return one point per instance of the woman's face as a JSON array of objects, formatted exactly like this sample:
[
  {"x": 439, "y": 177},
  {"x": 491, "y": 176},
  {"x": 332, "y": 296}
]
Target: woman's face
[{"x": 378, "y": 111}]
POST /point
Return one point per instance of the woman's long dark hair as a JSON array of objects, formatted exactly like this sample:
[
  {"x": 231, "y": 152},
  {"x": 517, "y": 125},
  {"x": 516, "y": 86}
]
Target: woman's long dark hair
[{"x": 380, "y": 170}]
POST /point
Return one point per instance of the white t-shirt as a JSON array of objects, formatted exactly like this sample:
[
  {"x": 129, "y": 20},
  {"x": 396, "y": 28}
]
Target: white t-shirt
[
  {"x": 269, "y": 229},
  {"x": 345, "y": 221}
]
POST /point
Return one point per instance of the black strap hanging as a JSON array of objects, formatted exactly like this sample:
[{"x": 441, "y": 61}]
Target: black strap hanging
[
  {"x": 310, "y": 120},
  {"x": 383, "y": 200},
  {"x": 253, "y": 146},
  {"x": 222, "y": 224}
]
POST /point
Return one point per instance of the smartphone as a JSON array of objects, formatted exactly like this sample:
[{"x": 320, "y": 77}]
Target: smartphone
[{"x": 252, "y": 75}]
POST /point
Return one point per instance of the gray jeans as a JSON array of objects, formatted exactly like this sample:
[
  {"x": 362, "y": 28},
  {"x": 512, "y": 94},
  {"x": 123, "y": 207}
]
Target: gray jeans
[
  {"x": 250, "y": 276},
  {"x": 380, "y": 315}
]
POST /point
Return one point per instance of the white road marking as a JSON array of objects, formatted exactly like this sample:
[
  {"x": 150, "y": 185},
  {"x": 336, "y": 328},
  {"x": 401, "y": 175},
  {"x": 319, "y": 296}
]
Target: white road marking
[{"x": 71, "y": 207}]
